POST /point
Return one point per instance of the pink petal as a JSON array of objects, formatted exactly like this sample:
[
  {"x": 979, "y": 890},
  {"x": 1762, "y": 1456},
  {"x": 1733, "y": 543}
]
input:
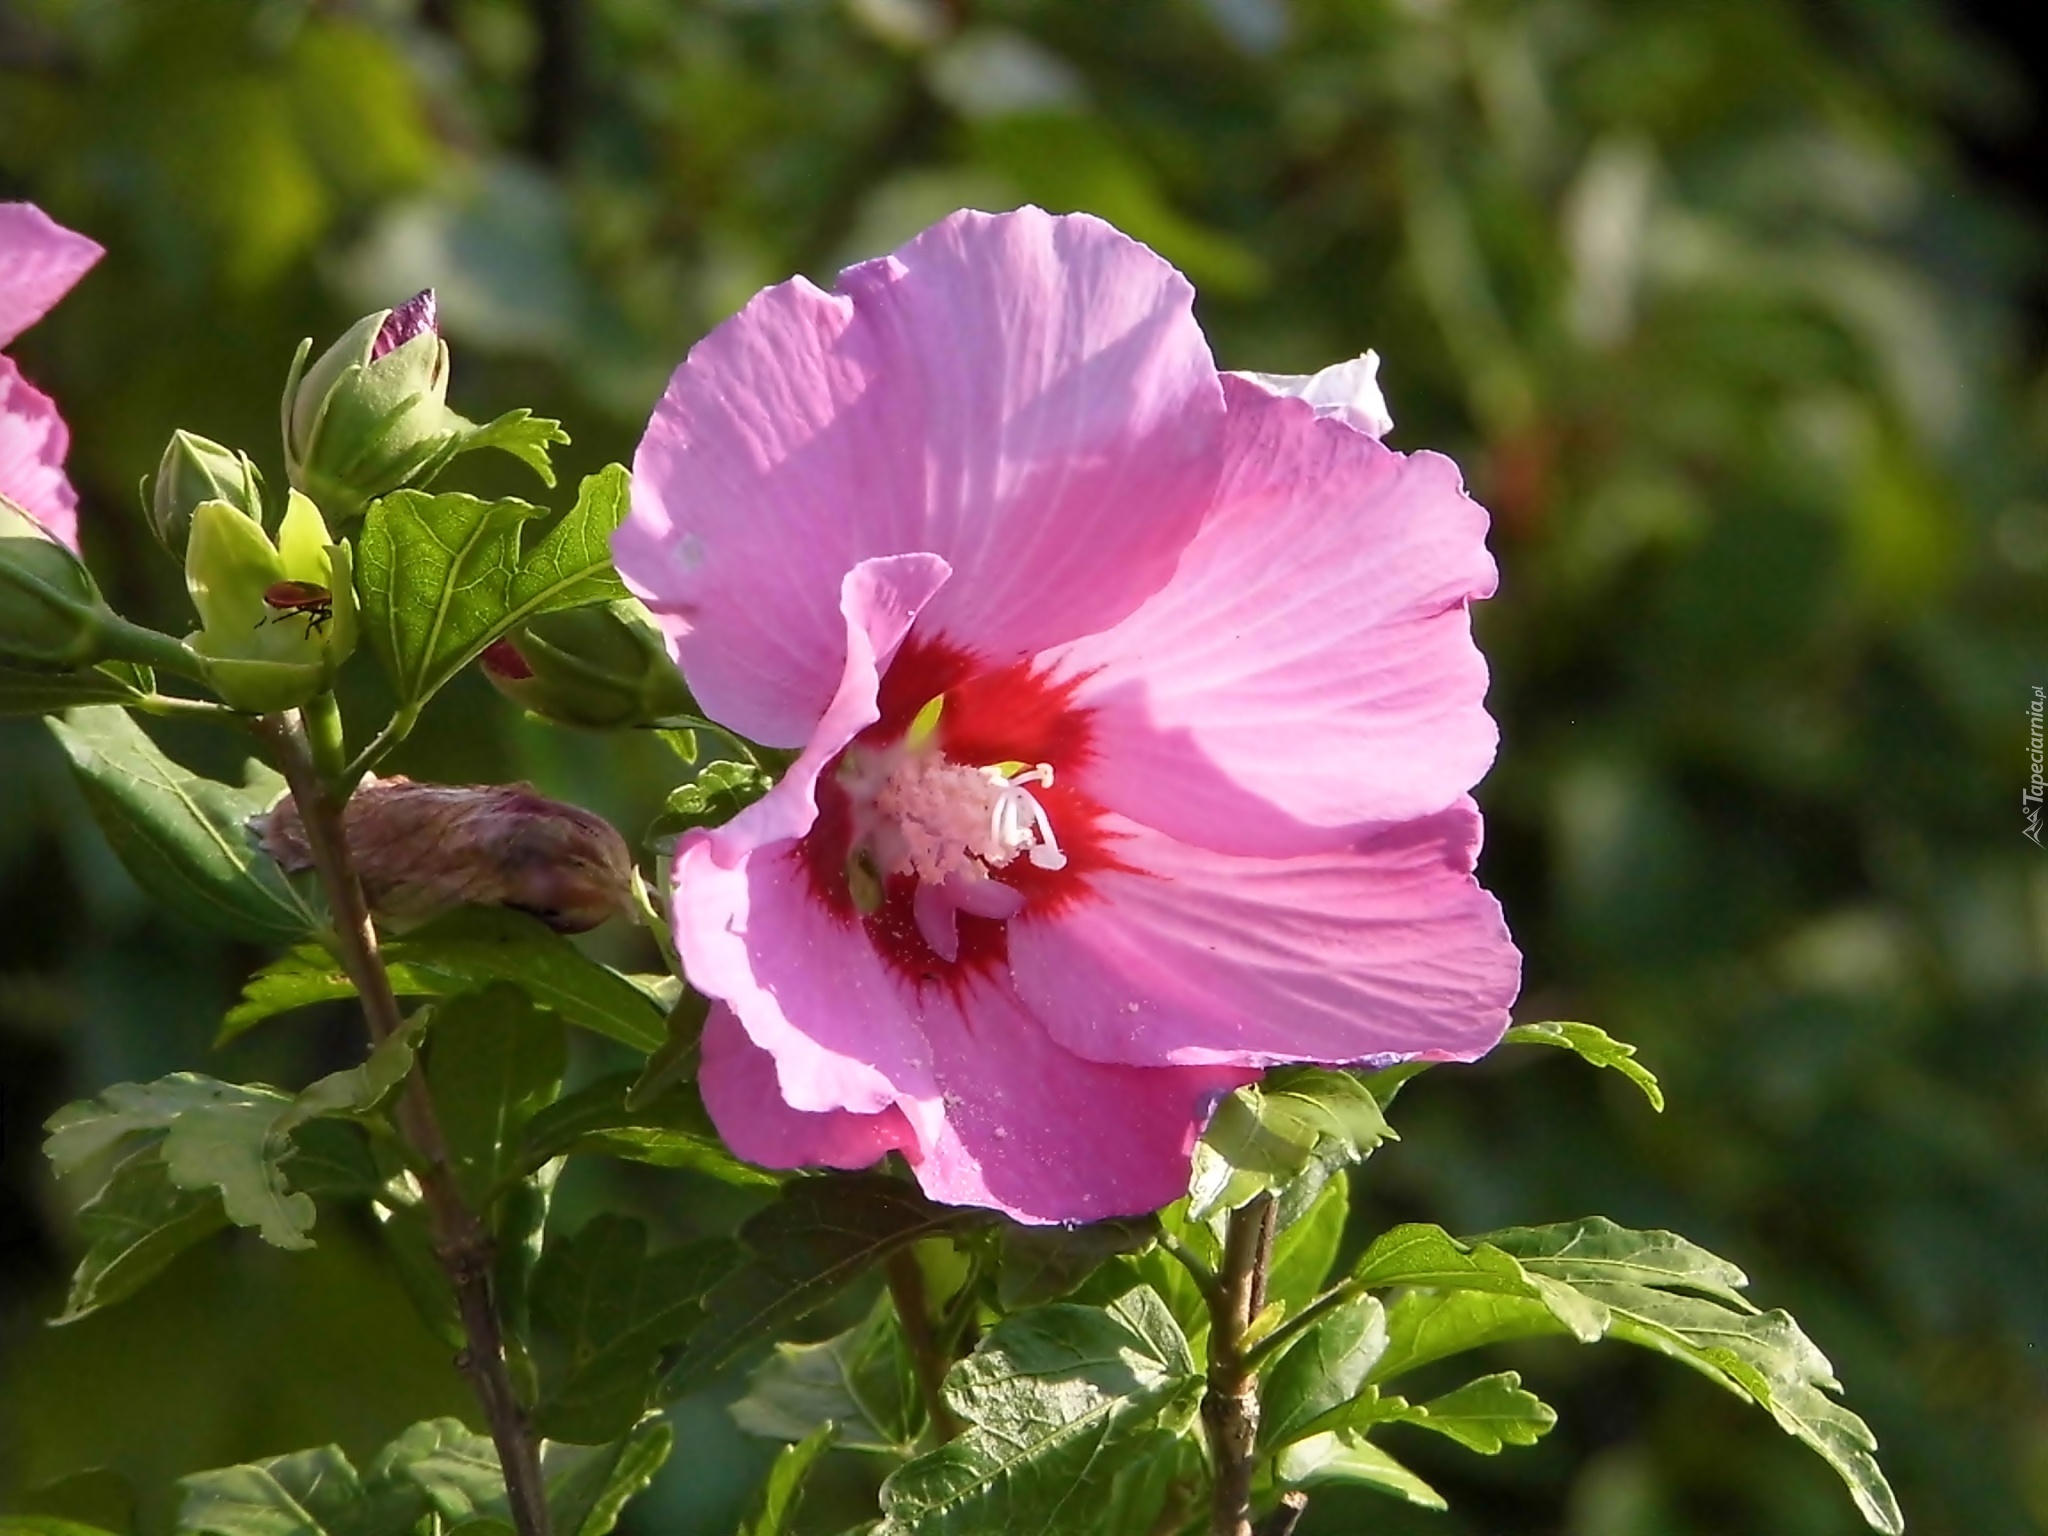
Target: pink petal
[
  {"x": 33, "y": 442},
  {"x": 754, "y": 933},
  {"x": 1028, "y": 397},
  {"x": 1016, "y": 1123},
  {"x": 39, "y": 261},
  {"x": 1034, "y": 1130},
  {"x": 1349, "y": 391},
  {"x": 740, "y": 1089},
  {"x": 1386, "y": 948},
  {"x": 1310, "y": 667}
]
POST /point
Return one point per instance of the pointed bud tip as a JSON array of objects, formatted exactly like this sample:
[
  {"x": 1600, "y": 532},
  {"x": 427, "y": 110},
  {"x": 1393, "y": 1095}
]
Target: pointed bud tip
[{"x": 417, "y": 316}]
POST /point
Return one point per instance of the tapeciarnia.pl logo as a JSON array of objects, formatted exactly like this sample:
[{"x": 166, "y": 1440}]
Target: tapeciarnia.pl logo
[{"x": 2030, "y": 797}]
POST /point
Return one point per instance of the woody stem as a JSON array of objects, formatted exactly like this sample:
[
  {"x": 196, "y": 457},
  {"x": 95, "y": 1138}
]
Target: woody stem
[{"x": 462, "y": 1243}]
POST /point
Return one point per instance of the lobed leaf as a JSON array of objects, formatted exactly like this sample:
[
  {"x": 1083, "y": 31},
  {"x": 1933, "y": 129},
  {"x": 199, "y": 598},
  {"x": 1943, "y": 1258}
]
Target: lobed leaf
[
  {"x": 443, "y": 575},
  {"x": 719, "y": 792},
  {"x": 1058, "y": 1398},
  {"x": 184, "y": 838},
  {"x": 1592, "y": 1044},
  {"x": 522, "y": 434}
]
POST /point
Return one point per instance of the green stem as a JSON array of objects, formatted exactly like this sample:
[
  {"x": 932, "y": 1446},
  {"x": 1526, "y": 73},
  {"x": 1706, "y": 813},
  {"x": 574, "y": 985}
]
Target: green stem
[
  {"x": 395, "y": 730},
  {"x": 928, "y": 1362},
  {"x": 123, "y": 641},
  {"x": 197, "y": 709},
  {"x": 462, "y": 1243},
  {"x": 322, "y": 718},
  {"x": 1274, "y": 1342},
  {"x": 1205, "y": 1278},
  {"x": 1230, "y": 1408}
]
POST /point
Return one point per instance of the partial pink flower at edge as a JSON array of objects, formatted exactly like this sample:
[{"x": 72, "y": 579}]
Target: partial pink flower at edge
[
  {"x": 1192, "y": 800},
  {"x": 40, "y": 260}
]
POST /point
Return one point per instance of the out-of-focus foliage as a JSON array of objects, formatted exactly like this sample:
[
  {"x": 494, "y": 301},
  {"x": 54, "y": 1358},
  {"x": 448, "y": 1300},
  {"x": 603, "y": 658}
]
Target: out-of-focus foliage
[{"x": 1697, "y": 294}]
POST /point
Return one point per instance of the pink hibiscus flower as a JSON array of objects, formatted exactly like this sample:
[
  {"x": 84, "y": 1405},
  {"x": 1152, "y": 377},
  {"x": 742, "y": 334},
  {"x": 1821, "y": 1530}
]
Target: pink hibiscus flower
[
  {"x": 39, "y": 261},
  {"x": 1137, "y": 705}
]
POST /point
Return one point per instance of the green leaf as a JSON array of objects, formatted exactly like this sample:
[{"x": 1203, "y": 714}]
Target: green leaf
[
  {"x": 1325, "y": 1367},
  {"x": 588, "y": 1486},
  {"x": 522, "y": 434},
  {"x": 1286, "y": 1133},
  {"x": 228, "y": 1136},
  {"x": 780, "y": 1494},
  {"x": 1305, "y": 1249},
  {"x": 615, "y": 1309},
  {"x": 1040, "y": 1264},
  {"x": 47, "y": 1525},
  {"x": 1344, "y": 1456},
  {"x": 1418, "y": 1254},
  {"x": 672, "y": 1131},
  {"x": 443, "y": 576},
  {"x": 1487, "y": 1413},
  {"x": 572, "y": 566},
  {"x": 436, "y": 582},
  {"x": 332, "y": 1160},
  {"x": 675, "y": 1061},
  {"x": 184, "y": 838},
  {"x": 496, "y": 1061},
  {"x": 458, "y": 953},
  {"x": 819, "y": 1237},
  {"x": 454, "y": 1467},
  {"x": 133, "y": 1228},
  {"x": 1058, "y": 1399},
  {"x": 720, "y": 791},
  {"x": 1594, "y": 1249},
  {"x": 1762, "y": 1356},
  {"x": 1595, "y": 1045},
  {"x": 31, "y": 691},
  {"x": 857, "y": 1384}
]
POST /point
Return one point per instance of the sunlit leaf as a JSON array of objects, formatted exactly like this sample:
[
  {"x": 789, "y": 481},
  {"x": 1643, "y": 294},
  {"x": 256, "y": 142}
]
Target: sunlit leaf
[
  {"x": 1057, "y": 1399},
  {"x": 857, "y": 1383},
  {"x": 1345, "y": 1456},
  {"x": 1327, "y": 1366},
  {"x": 1286, "y": 1134},
  {"x": 1594, "y": 1045},
  {"x": 717, "y": 794},
  {"x": 588, "y": 1486}
]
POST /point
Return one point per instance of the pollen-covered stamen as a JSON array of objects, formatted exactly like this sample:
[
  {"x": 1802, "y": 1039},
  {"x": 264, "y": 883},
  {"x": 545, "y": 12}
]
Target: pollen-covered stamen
[{"x": 940, "y": 820}]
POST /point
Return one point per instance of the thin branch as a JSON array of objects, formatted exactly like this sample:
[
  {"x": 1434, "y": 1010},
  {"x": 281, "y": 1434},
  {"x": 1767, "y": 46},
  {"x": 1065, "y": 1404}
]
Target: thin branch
[
  {"x": 462, "y": 1243},
  {"x": 927, "y": 1360},
  {"x": 1336, "y": 1296},
  {"x": 1230, "y": 1408},
  {"x": 1205, "y": 1278},
  {"x": 1293, "y": 1505}
]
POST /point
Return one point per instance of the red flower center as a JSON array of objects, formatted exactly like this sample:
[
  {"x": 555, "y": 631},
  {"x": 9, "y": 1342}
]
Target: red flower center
[{"x": 964, "y": 804}]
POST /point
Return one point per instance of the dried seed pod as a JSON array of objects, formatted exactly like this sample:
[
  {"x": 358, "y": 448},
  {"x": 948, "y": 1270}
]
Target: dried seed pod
[{"x": 425, "y": 849}]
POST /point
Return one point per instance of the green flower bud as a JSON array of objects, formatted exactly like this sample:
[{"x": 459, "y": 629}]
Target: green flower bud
[
  {"x": 276, "y": 620},
  {"x": 601, "y": 668},
  {"x": 196, "y": 469},
  {"x": 51, "y": 611},
  {"x": 371, "y": 413}
]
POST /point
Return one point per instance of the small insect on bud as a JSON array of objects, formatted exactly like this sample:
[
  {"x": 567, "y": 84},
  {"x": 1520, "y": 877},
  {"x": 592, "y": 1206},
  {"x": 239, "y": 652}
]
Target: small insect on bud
[
  {"x": 291, "y": 599},
  {"x": 425, "y": 849}
]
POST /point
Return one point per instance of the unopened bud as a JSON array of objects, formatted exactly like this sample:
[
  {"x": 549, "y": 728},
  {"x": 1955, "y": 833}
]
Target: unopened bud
[
  {"x": 371, "y": 413},
  {"x": 425, "y": 849},
  {"x": 51, "y": 611},
  {"x": 196, "y": 469},
  {"x": 601, "y": 668}
]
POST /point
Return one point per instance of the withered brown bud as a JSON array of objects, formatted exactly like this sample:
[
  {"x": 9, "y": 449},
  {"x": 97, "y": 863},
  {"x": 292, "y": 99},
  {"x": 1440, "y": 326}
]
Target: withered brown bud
[{"x": 425, "y": 849}]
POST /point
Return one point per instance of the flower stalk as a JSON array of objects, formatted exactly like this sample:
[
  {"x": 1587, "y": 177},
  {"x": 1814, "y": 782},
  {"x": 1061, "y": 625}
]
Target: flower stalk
[
  {"x": 462, "y": 1243},
  {"x": 928, "y": 1360},
  {"x": 1230, "y": 1408}
]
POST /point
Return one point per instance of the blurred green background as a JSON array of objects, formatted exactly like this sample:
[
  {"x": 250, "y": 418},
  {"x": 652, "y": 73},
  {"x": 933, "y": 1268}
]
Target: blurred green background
[{"x": 1732, "y": 313}]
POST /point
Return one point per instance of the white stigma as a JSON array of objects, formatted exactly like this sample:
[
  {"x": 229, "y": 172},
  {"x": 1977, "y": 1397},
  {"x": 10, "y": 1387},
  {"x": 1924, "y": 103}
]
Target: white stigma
[
  {"x": 1019, "y": 822},
  {"x": 940, "y": 820}
]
